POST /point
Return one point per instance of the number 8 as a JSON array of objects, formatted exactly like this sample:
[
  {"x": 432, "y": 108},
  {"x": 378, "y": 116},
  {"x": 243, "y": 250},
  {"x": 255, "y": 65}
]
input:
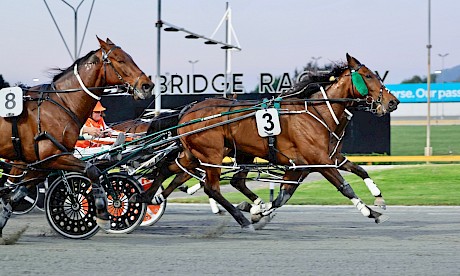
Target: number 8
[{"x": 10, "y": 103}]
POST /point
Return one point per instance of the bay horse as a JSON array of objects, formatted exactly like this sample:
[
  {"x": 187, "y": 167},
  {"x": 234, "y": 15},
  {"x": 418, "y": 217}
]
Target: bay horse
[
  {"x": 302, "y": 146},
  {"x": 308, "y": 86},
  {"x": 43, "y": 136}
]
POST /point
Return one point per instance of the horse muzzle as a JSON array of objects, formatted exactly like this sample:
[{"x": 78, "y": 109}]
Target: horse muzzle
[
  {"x": 145, "y": 91},
  {"x": 393, "y": 105}
]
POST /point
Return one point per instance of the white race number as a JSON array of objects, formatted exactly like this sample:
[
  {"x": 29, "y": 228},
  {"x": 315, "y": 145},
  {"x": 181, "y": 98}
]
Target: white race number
[
  {"x": 268, "y": 122},
  {"x": 11, "y": 102}
]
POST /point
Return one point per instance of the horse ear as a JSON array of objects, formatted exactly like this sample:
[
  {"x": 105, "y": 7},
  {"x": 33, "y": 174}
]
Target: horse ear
[
  {"x": 353, "y": 63},
  {"x": 109, "y": 41},
  {"x": 103, "y": 44}
]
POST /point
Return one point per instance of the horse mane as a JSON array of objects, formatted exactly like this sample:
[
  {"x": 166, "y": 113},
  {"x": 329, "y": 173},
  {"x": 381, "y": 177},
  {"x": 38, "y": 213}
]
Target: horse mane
[
  {"x": 61, "y": 72},
  {"x": 311, "y": 83}
]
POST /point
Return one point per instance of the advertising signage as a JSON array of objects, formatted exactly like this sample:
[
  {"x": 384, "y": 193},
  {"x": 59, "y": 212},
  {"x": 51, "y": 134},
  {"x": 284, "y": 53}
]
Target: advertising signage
[
  {"x": 200, "y": 84},
  {"x": 197, "y": 84},
  {"x": 417, "y": 92}
]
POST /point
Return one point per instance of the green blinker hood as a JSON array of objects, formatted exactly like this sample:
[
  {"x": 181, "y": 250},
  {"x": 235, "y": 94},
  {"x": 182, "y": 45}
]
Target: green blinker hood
[{"x": 359, "y": 83}]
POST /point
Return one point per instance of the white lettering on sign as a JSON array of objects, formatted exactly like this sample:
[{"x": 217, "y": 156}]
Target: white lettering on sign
[
  {"x": 268, "y": 122},
  {"x": 11, "y": 103}
]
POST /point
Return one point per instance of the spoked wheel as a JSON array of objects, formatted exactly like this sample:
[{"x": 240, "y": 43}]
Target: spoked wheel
[
  {"x": 70, "y": 208},
  {"x": 26, "y": 204},
  {"x": 154, "y": 212},
  {"x": 124, "y": 216}
]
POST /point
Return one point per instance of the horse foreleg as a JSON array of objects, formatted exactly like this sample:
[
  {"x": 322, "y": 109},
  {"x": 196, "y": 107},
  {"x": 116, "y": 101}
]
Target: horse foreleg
[
  {"x": 334, "y": 177},
  {"x": 178, "y": 180},
  {"x": 11, "y": 200},
  {"x": 359, "y": 171}
]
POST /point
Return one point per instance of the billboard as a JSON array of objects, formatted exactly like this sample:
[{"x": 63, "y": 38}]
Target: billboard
[{"x": 417, "y": 92}]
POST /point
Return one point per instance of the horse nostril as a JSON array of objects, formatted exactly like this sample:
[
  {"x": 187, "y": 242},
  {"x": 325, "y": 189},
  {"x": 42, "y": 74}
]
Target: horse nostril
[
  {"x": 147, "y": 87},
  {"x": 392, "y": 105}
]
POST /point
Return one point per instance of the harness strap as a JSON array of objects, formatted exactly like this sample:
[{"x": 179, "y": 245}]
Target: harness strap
[
  {"x": 329, "y": 106},
  {"x": 16, "y": 139},
  {"x": 272, "y": 149},
  {"x": 75, "y": 72},
  {"x": 46, "y": 135},
  {"x": 69, "y": 112}
]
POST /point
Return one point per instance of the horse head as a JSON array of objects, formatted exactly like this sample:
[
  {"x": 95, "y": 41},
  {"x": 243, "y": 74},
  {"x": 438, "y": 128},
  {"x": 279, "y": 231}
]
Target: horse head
[
  {"x": 367, "y": 85},
  {"x": 119, "y": 68}
]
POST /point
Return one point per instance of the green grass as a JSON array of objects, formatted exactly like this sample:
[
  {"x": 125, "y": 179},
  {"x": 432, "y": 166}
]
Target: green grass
[
  {"x": 411, "y": 140},
  {"x": 414, "y": 185}
]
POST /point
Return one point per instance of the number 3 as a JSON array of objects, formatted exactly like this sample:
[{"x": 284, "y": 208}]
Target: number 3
[{"x": 269, "y": 119}]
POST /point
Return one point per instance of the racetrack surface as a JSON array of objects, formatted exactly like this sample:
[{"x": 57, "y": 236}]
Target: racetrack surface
[{"x": 300, "y": 240}]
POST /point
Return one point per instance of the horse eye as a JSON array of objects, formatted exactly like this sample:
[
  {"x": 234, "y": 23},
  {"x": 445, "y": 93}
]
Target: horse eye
[{"x": 369, "y": 76}]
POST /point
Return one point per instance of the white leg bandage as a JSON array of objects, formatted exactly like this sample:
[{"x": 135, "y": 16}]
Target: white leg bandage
[
  {"x": 260, "y": 208},
  {"x": 372, "y": 187},
  {"x": 258, "y": 201},
  {"x": 214, "y": 208},
  {"x": 158, "y": 199},
  {"x": 359, "y": 204},
  {"x": 193, "y": 189}
]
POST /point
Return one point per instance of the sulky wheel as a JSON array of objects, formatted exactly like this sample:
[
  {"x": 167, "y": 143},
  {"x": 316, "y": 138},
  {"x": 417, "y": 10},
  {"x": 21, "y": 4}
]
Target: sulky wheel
[
  {"x": 124, "y": 216},
  {"x": 154, "y": 212},
  {"x": 69, "y": 207}
]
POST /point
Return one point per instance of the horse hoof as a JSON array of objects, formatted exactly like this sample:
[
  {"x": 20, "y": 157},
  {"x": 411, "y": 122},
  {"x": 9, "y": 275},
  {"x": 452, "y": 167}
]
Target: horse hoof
[
  {"x": 380, "y": 202},
  {"x": 244, "y": 206},
  {"x": 104, "y": 224},
  {"x": 381, "y": 219},
  {"x": 263, "y": 221},
  {"x": 103, "y": 219},
  {"x": 220, "y": 213},
  {"x": 248, "y": 228},
  {"x": 256, "y": 218},
  {"x": 183, "y": 188}
]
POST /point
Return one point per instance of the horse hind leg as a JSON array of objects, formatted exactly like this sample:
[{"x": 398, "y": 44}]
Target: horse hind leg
[
  {"x": 266, "y": 210},
  {"x": 370, "y": 184},
  {"x": 100, "y": 198},
  {"x": 211, "y": 188},
  {"x": 5, "y": 214}
]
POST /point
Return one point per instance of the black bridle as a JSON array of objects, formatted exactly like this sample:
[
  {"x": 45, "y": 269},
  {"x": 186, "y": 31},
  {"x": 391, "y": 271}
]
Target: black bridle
[{"x": 370, "y": 101}]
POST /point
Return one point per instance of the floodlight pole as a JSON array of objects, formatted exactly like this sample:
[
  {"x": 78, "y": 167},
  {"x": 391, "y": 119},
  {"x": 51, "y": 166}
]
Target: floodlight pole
[
  {"x": 428, "y": 148},
  {"x": 228, "y": 69},
  {"x": 192, "y": 35},
  {"x": 159, "y": 25},
  {"x": 75, "y": 11}
]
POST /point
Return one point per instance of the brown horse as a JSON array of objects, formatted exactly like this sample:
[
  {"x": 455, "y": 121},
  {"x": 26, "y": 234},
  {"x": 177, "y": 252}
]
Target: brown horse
[
  {"x": 238, "y": 180},
  {"x": 302, "y": 146},
  {"x": 43, "y": 136}
]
